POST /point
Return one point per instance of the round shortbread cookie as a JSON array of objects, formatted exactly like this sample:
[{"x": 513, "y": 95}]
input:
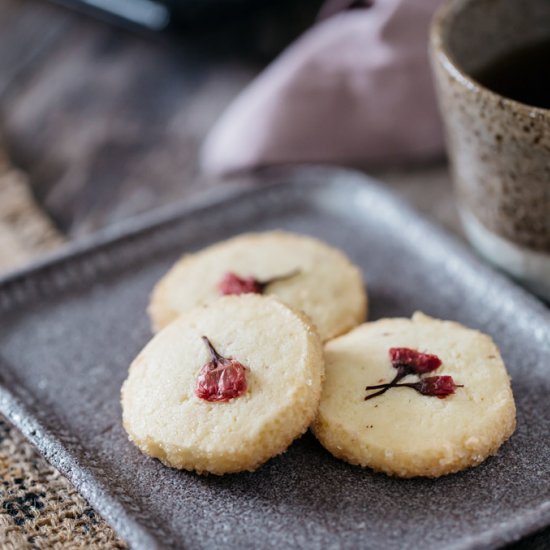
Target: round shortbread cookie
[
  {"x": 326, "y": 286},
  {"x": 404, "y": 432},
  {"x": 284, "y": 364}
]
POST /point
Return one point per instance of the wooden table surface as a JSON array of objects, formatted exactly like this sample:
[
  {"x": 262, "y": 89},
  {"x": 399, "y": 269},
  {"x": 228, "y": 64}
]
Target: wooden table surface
[{"x": 107, "y": 124}]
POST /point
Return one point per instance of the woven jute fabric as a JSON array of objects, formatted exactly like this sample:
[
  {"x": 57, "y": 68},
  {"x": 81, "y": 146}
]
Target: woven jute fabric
[{"x": 39, "y": 508}]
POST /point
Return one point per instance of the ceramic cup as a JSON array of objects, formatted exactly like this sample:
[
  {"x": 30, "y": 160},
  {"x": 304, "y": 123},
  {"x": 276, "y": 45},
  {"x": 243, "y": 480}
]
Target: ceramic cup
[{"x": 499, "y": 149}]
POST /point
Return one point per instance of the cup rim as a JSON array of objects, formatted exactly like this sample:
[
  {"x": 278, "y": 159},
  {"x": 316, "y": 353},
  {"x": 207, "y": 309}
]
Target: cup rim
[{"x": 440, "y": 48}]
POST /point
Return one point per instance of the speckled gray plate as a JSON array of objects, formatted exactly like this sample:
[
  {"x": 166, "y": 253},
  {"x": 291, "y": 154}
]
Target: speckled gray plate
[{"x": 71, "y": 326}]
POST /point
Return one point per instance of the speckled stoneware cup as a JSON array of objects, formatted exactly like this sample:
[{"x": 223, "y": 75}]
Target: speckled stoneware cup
[{"x": 499, "y": 148}]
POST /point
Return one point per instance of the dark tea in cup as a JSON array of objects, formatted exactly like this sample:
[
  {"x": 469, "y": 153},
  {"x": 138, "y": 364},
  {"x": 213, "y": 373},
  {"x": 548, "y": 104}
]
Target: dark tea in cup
[{"x": 522, "y": 74}]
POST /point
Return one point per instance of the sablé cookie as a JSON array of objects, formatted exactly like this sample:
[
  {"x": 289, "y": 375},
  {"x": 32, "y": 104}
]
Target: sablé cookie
[
  {"x": 402, "y": 431},
  {"x": 314, "y": 278},
  {"x": 279, "y": 359}
]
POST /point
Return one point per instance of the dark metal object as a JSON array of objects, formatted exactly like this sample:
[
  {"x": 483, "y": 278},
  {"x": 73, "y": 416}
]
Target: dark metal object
[
  {"x": 70, "y": 327},
  {"x": 160, "y": 15},
  {"x": 183, "y": 20}
]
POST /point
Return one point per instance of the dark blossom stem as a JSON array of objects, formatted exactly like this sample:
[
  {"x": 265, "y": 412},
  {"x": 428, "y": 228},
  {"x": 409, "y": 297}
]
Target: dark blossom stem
[
  {"x": 436, "y": 386},
  {"x": 216, "y": 357},
  {"x": 401, "y": 373},
  {"x": 279, "y": 278},
  {"x": 378, "y": 386},
  {"x": 376, "y": 394}
]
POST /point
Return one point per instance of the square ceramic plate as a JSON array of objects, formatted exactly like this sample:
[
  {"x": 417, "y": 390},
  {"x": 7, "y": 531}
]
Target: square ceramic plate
[{"x": 71, "y": 326}]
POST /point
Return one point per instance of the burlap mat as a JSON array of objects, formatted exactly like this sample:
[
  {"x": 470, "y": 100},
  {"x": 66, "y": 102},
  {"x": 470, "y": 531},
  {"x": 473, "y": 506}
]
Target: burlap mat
[{"x": 39, "y": 507}]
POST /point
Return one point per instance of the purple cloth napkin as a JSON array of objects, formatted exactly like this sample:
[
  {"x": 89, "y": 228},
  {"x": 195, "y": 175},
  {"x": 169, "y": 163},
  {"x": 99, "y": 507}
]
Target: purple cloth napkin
[{"x": 355, "y": 89}]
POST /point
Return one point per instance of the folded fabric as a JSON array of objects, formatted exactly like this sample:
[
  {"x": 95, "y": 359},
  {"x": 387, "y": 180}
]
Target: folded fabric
[{"x": 355, "y": 89}]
